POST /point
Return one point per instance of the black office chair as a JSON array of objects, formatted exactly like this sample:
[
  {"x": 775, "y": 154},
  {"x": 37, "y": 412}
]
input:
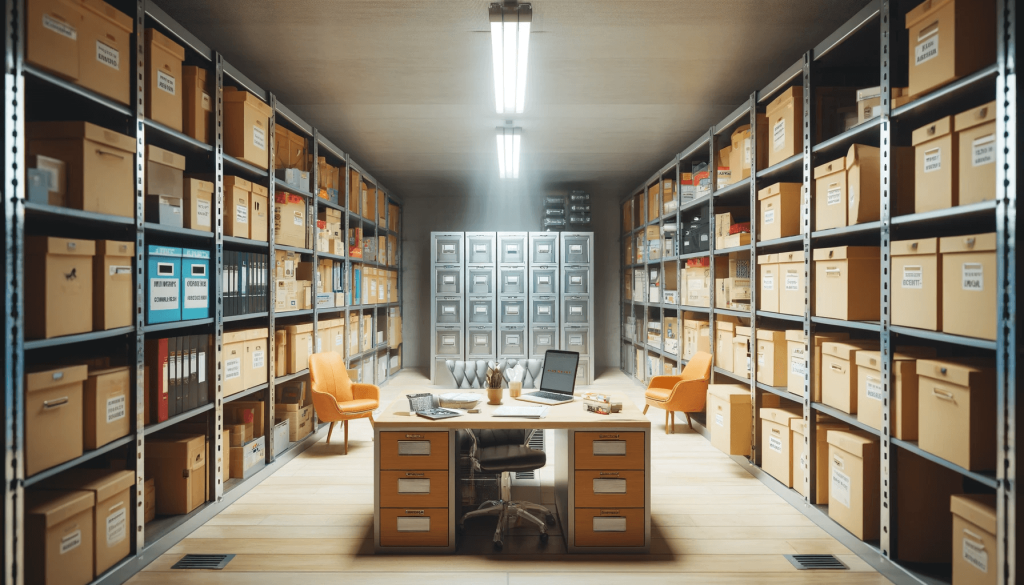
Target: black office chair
[{"x": 506, "y": 451}]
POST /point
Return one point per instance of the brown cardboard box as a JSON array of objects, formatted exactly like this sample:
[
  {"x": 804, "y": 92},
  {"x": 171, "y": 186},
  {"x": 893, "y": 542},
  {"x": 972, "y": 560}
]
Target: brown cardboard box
[
  {"x": 238, "y": 434},
  {"x": 785, "y": 125},
  {"x": 246, "y": 127},
  {"x": 730, "y": 291},
  {"x": 245, "y": 457},
  {"x": 354, "y": 330},
  {"x": 112, "y": 285},
  {"x": 300, "y": 422},
  {"x": 53, "y": 401},
  {"x": 280, "y": 352},
  {"x": 798, "y": 432},
  {"x": 839, "y": 373},
  {"x": 916, "y": 284},
  {"x": 367, "y": 199},
  {"x": 733, "y": 240},
  {"x": 164, "y": 85},
  {"x": 969, "y": 286},
  {"x": 198, "y": 207},
  {"x": 382, "y": 206},
  {"x": 698, "y": 286},
  {"x": 768, "y": 271},
  {"x": 367, "y": 333},
  {"x": 936, "y": 166},
  {"x": 59, "y": 537},
  {"x": 830, "y": 195},
  {"x": 976, "y": 134},
  {"x": 846, "y": 280},
  {"x": 922, "y": 496},
  {"x": 957, "y": 406},
  {"x": 235, "y": 411},
  {"x": 854, "y": 490},
  {"x": 863, "y": 184},
  {"x": 232, "y": 357},
  {"x": 104, "y": 58},
  {"x": 740, "y": 155},
  {"x": 150, "y": 499},
  {"x": 177, "y": 464},
  {"x": 58, "y": 286},
  {"x": 771, "y": 358},
  {"x": 902, "y": 395},
  {"x": 729, "y": 418},
  {"x": 290, "y": 219},
  {"x": 394, "y": 327},
  {"x": 254, "y": 362},
  {"x": 796, "y": 350},
  {"x": 236, "y": 208},
  {"x": 741, "y": 352},
  {"x": 791, "y": 282},
  {"x": 725, "y": 332},
  {"x": 654, "y": 202},
  {"x": 198, "y": 107},
  {"x": 353, "y": 191},
  {"x": 105, "y": 406},
  {"x": 100, "y": 164},
  {"x": 777, "y": 446},
  {"x": 974, "y": 539},
  {"x": 779, "y": 206},
  {"x": 52, "y": 30},
  {"x": 696, "y": 337},
  {"x": 963, "y": 30},
  {"x": 300, "y": 346},
  {"x": 165, "y": 173}
]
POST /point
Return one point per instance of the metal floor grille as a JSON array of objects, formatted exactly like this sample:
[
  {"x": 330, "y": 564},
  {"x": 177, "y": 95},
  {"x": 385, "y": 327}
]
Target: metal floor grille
[
  {"x": 214, "y": 562},
  {"x": 803, "y": 562}
]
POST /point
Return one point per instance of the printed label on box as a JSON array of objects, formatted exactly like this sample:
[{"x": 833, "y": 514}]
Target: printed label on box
[
  {"x": 205, "y": 102},
  {"x": 165, "y": 82},
  {"x": 973, "y": 276},
  {"x": 974, "y": 553},
  {"x": 719, "y": 419},
  {"x": 109, "y": 56},
  {"x": 797, "y": 365},
  {"x": 196, "y": 293},
  {"x": 769, "y": 216},
  {"x": 834, "y": 195},
  {"x": 983, "y": 150},
  {"x": 70, "y": 542},
  {"x": 927, "y": 50},
  {"x": 203, "y": 208},
  {"x": 116, "y": 408},
  {"x": 163, "y": 294},
  {"x": 768, "y": 282},
  {"x": 259, "y": 137},
  {"x": 117, "y": 526},
  {"x": 760, "y": 359},
  {"x": 60, "y": 27},
  {"x": 913, "y": 277},
  {"x": 933, "y": 160},
  {"x": 233, "y": 368},
  {"x": 775, "y": 444},
  {"x": 257, "y": 358},
  {"x": 298, "y": 219},
  {"x": 242, "y": 213},
  {"x": 118, "y": 270},
  {"x": 792, "y": 280},
  {"x": 840, "y": 489},
  {"x": 874, "y": 388},
  {"x": 779, "y": 134}
]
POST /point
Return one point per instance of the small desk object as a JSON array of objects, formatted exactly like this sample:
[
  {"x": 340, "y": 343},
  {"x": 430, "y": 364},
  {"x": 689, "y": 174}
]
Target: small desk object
[{"x": 602, "y": 476}]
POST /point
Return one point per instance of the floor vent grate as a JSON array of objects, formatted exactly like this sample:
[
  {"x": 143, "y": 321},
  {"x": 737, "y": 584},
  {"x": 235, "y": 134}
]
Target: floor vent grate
[
  {"x": 536, "y": 442},
  {"x": 214, "y": 562},
  {"x": 803, "y": 562}
]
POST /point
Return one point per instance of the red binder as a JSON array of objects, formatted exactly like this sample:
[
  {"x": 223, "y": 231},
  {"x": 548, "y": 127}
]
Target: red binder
[{"x": 156, "y": 351}]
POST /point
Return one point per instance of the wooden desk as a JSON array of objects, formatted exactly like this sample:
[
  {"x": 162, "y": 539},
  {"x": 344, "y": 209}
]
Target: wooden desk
[{"x": 415, "y": 476}]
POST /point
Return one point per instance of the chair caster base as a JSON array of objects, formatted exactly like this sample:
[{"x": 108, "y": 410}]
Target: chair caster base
[
  {"x": 544, "y": 537},
  {"x": 550, "y": 520},
  {"x": 498, "y": 545}
]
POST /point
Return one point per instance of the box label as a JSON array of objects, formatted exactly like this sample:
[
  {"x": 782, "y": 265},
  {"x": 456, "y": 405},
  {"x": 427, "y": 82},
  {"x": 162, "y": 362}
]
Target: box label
[
  {"x": 983, "y": 150},
  {"x": 933, "y": 160},
  {"x": 913, "y": 277},
  {"x": 834, "y": 195},
  {"x": 511, "y": 280},
  {"x": 118, "y": 270},
  {"x": 775, "y": 444},
  {"x": 797, "y": 365},
  {"x": 412, "y": 524},
  {"x": 480, "y": 309},
  {"x": 60, "y": 27},
  {"x": 544, "y": 310},
  {"x": 512, "y": 248},
  {"x": 544, "y": 248},
  {"x": 109, "y": 56},
  {"x": 543, "y": 280},
  {"x": 769, "y": 216},
  {"x": 205, "y": 102},
  {"x": 779, "y": 134},
  {"x": 163, "y": 294},
  {"x": 116, "y": 408},
  {"x": 259, "y": 137},
  {"x": 973, "y": 276},
  {"x": 760, "y": 359},
  {"x": 297, "y": 219},
  {"x": 196, "y": 293},
  {"x": 927, "y": 50},
  {"x": 512, "y": 309},
  {"x": 241, "y": 214},
  {"x": 840, "y": 489},
  {"x": 70, "y": 542},
  {"x": 768, "y": 282},
  {"x": 874, "y": 388},
  {"x": 480, "y": 248},
  {"x": 203, "y": 208},
  {"x": 719, "y": 419},
  {"x": 792, "y": 280},
  {"x": 257, "y": 358},
  {"x": 233, "y": 368},
  {"x": 165, "y": 82},
  {"x": 974, "y": 553},
  {"x": 544, "y": 340},
  {"x": 117, "y": 526},
  {"x": 511, "y": 340}
]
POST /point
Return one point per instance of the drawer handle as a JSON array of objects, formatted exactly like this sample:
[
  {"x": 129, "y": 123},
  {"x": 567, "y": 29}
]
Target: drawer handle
[
  {"x": 942, "y": 395},
  {"x": 609, "y": 486},
  {"x": 413, "y": 448},
  {"x": 609, "y": 448},
  {"x": 414, "y": 486},
  {"x": 415, "y": 524},
  {"x": 609, "y": 524}
]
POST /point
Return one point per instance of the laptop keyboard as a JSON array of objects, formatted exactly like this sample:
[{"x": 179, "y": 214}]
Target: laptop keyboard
[{"x": 551, "y": 395}]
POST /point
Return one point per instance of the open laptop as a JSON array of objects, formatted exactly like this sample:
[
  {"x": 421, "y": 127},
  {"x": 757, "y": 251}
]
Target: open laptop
[{"x": 558, "y": 381}]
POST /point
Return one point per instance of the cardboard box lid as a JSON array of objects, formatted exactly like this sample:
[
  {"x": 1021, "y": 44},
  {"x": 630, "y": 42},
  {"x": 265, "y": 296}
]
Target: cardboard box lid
[
  {"x": 869, "y": 93},
  {"x": 51, "y": 378},
  {"x": 57, "y": 506},
  {"x": 778, "y": 189},
  {"x": 915, "y": 247},
  {"x": 978, "y": 509},
  {"x": 780, "y": 415},
  {"x": 790, "y": 257},
  {"x": 763, "y": 259},
  {"x": 799, "y": 425},
  {"x": 114, "y": 248},
  {"x": 742, "y": 331},
  {"x": 233, "y": 181},
  {"x": 974, "y": 243},
  {"x": 62, "y": 246},
  {"x": 924, "y": 10},
  {"x": 965, "y": 372},
  {"x": 259, "y": 190},
  {"x": 195, "y": 183},
  {"x": 166, "y": 251},
  {"x": 846, "y": 350},
  {"x": 724, "y": 325},
  {"x": 793, "y": 93},
  {"x": 196, "y": 72},
  {"x": 846, "y": 253},
  {"x": 105, "y": 483},
  {"x": 165, "y": 157},
  {"x": 830, "y": 168},
  {"x": 859, "y": 153},
  {"x": 771, "y": 335},
  {"x": 254, "y": 334},
  {"x": 732, "y": 393},
  {"x": 80, "y": 130},
  {"x": 870, "y": 358},
  {"x": 157, "y": 38},
  {"x": 936, "y": 129},
  {"x": 232, "y": 337},
  {"x": 109, "y": 13},
  {"x": 232, "y": 94},
  {"x": 694, "y": 324},
  {"x": 299, "y": 329},
  {"x": 974, "y": 117},
  {"x": 190, "y": 449},
  {"x": 852, "y": 441}
]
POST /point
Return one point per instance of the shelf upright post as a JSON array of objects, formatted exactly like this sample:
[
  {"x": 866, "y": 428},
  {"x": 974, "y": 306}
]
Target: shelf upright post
[
  {"x": 268, "y": 411},
  {"x": 311, "y": 225},
  {"x": 755, "y": 401},
  {"x": 347, "y": 264},
  {"x": 713, "y": 178},
  {"x": 806, "y": 227},
  {"x": 887, "y": 459},
  {"x": 217, "y": 420},
  {"x": 138, "y": 450}
]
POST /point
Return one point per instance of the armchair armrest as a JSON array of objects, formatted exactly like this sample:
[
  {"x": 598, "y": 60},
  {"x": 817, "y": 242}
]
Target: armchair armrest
[
  {"x": 326, "y": 406},
  {"x": 365, "y": 392},
  {"x": 666, "y": 382}
]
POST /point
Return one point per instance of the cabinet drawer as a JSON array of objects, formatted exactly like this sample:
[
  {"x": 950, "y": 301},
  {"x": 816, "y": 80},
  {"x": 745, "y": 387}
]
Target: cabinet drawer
[
  {"x": 411, "y": 489},
  {"x": 403, "y": 451},
  {"x": 609, "y": 450},
  {"x": 609, "y": 527},
  {"x": 414, "y": 526},
  {"x": 607, "y": 488}
]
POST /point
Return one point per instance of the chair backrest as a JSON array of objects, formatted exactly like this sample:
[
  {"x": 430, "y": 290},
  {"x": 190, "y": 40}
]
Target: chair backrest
[
  {"x": 531, "y": 371},
  {"x": 470, "y": 374},
  {"x": 327, "y": 373},
  {"x": 499, "y": 437},
  {"x": 698, "y": 368}
]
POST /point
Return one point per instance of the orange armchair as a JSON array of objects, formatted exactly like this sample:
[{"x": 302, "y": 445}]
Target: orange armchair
[
  {"x": 685, "y": 393},
  {"x": 335, "y": 397}
]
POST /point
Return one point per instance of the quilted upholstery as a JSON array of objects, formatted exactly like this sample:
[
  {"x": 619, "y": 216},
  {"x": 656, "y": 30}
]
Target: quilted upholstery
[
  {"x": 471, "y": 374},
  {"x": 531, "y": 371}
]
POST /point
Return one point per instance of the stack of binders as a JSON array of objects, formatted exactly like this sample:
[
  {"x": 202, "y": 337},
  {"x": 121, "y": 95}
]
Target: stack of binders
[
  {"x": 245, "y": 283},
  {"x": 178, "y": 372}
]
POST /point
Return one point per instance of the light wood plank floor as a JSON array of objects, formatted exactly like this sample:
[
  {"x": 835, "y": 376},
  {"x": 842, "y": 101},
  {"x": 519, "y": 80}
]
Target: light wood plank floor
[{"x": 712, "y": 523}]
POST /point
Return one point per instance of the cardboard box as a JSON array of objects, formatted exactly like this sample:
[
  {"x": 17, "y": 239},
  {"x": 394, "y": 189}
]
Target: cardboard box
[
  {"x": 847, "y": 280},
  {"x": 976, "y": 135},
  {"x": 236, "y": 208},
  {"x": 150, "y": 500},
  {"x": 729, "y": 418},
  {"x": 785, "y": 125},
  {"x": 53, "y": 400},
  {"x": 830, "y": 195},
  {"x": 798, "y": 431},
  {"x": 300, "y": 346},
  {"x": 730, "y": 291},
  {"x": 740, "y": 156},
  {"x": 232, "y": 358},
  {"x": 902, "y": 394},
  {"x": 165, "y": 179},
  {"x": 969, "y": 285},
  {"x": 248, "y": 459},
  {"x": 654, "y": 202},
  {"x": 796, "y": 350},
  {"x": 839, "y": 373},
  {"x": 923, "y": 495},
  {"x": 112, "y": 293},
  {"x": 791, "y": 282},
  {"x": 974, "y": 539},
  {"x": 242, "y": 411},
  {"x": 246, "y": 125},
  {"x": 58, "y": 286},
  {"x": 290, "y": 219},
  {"x": 198, "y": 107},
  {"x": 967, "y": 41},
  {"x": 957, "y": 406},
  {"x": 863, "y": 184},
  {"x": 104, "y": 61},
  {"x": 46, "y": 182},
  {"x": 105, "y": 406},
  {"x": 869, "y": 103},
  {"x": 772, "y": 358},
  {"x": 177, "y": 464},
  {"x": 768, "y": 272},
  {"x": 779, "y": 207},
  {"x": 100, "y": 164},
  {"x": 52, "y": 29},
  {"x": 353, "y": 191},
  {"x": 777, "y": 446},
  {"x": 163, "y": 266},
  {"x": 198, "y": 204},
  {"x": 916, "y": 284},
  {"x": 163, "y": 79},
  {"x": 696, "y": 337},
  {"x": 725, "y": 332},
  {"x": 300, "y": 421},
  {"x": 254, "y": 363},
  {"x": 59, "y": 536},
  {"x": 936, "y": 166},
  {"x": 854, "y": 490},
  {"x": 698, "y": 286},
  {"x": 741, "y": 352}
]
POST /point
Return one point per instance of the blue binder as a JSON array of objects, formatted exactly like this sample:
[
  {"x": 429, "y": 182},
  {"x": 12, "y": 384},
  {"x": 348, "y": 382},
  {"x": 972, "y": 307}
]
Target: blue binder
[
  {"x": 195, "y": 276},
  {"x": 163, "y": 285}
]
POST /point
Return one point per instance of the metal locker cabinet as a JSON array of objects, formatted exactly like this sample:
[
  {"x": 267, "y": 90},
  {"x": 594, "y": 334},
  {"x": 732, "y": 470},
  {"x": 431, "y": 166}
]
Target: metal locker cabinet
[
  {"x": 512, "y": 280},
  {"x": 512, "y": 312},
  {"x": 480, "y": 248},
  {"x": 512, "y": 343},
  {"x": 447, "y": 308},
  {"x": 544, "y": 280},
  {"x": 577, "y": 247},
  {"x": 448, "y": 280},
  {"x": 448, "y": 311},
  {"x": 480, "y": 280},
  {"x": 448, "y": 344},
  {"x": 480, "y": 312},
  {"x": 480, "y": 343},
  {"x": 544, "y": 311},
  {"x": 541, "y": 340},
  {"x": 576, "y": 311},
  {"x": 512, "y": 247},
  {"x": 544, "y": 248},
  {"x": 576, "y": 280},
  {"x": 446, "y": 248}
]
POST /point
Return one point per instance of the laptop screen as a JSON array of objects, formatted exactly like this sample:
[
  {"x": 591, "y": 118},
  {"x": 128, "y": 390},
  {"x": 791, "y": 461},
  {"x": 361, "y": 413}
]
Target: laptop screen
[{"x": 559, "y": 371}]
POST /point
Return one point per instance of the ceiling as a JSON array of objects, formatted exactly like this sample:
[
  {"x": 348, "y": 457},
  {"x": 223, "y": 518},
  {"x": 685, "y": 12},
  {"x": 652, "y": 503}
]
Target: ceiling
[{"x": 614, "y": 88}]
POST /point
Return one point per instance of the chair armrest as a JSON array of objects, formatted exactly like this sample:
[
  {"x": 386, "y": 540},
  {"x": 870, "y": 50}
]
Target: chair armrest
[
  {"x": 687, "y": 384},
  {"x": 365, "y": 392},
  {"x": 666, "y": 382},
  {"x": 326, "y": 406}
]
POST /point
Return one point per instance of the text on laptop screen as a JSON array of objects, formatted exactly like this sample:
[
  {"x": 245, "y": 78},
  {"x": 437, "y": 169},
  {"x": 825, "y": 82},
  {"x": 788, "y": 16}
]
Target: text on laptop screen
[{"x": 559, "y": 372}]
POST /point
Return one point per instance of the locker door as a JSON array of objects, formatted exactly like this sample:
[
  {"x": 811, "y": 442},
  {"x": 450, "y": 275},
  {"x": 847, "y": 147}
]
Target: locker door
[
  {"x": 544, "y": 280},
  {"x": 512, "y": 247},
  {"x": 479, "y": 248},
  {"x": 512, "y": 280},
  {"x": 576, "y": 280},
  {"x": 544, "y": 311},
  {"x": 576, "y": 311},
  {"x": 448, "y": 280},
  {"x": 480, "y": 312},
  {"x": 576, "y": 248},
  {"x": 447, "y": 248},
  {"x": 512, "y": 311},
  {"x": 480, "y": 280}
]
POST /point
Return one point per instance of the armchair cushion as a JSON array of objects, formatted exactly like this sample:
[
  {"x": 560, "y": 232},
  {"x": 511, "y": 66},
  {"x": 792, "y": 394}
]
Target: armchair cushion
[
  {"x": 659, "y": 394},
  {"x": 354, "y": 406}
]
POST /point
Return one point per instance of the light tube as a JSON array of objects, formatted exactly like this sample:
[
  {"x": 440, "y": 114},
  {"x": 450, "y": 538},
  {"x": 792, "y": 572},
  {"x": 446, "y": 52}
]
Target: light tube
[
  {"x": 499, "y": 78},
  {"x": 521, "y": 58},
  {"x": 501, "y": 153},
  {"x": 509, "y": 149},
  {"x": 510, "y": 48}
]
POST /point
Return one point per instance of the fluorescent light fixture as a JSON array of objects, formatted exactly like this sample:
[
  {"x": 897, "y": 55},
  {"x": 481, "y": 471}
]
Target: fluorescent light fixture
[
  {"x": 510, "y": 48},
  {"x": 509, "y": 147}
]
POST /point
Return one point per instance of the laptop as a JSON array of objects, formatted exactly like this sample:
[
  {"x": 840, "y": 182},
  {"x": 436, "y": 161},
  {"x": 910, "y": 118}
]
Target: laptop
[{"x": 558, "y": 381}]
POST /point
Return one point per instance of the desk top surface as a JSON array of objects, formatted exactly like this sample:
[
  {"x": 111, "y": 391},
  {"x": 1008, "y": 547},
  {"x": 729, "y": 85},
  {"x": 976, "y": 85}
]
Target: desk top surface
[{"x": 571, "y": 415}]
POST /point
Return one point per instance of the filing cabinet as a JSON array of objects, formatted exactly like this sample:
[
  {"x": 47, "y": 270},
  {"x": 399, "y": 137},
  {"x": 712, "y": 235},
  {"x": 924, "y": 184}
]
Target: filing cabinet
[
  {"x": 448, "y": 311},
  {"x": 414, "y": 490},
  {"x": 511, "y": 280},
  {"x": 576, "y": 311},
  {"x": 512, "y": 247},
  {"x": 480, "y": 343},
  {"x": 480, "y": 248},
  {"x": 480, "y": 280},
  {"x": 512, "y": 343},
  {"x": 446, "y": 248},
  {"x": 577, "y": 247},
  {"x": 575, "y": 338},
  {"x": 541, "y": 340},
  {"x": 543, "y": 248},
  {"x": 448, "y": 280},
  {"x": 544, "y": 280},
  {"x": 609, "y": 489},
  {"x": 480, "y": 311},
  {"x": 576, "y": 280},
  {"x": 512, "y": 311},
  {"x": 543, "y": 311}
]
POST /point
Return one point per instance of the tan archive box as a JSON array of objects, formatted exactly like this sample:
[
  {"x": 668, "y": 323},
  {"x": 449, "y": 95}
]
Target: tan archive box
[
  {"x": 198, "y": 204},
  {"x": 53, "y": 402},
  {"x": 198, "y": 107},
  {"x": 847, "y": 280},
  {"x": 259, "y": 218},
  {"x": 779, "y": 206},
  {"x": 740, "y": 155},
  {"x": 105, "y": 403},
  {"x": 796, "y": 351},
  {"x": 791, "y": 282},
  {"x": 300, "y": 346},
  {"x": 58, "y": 286},
  {"x": 725, "y": 332},
  {"x": 52, "y": 30},
  {"x": 916, "y": 284},
  {"x": 854, "y": 486},
  {"x": 246, "y": 125},
  {"x": 957, "y": 406},
  {"x": 976, "y": 135},
  {"x": 729, "y": 418},
  {"x": 903, "y": 394},
  {"x": 290, "y": 219},
  {"x": 839, "y": 373},
  {"x": 741, "y": 352},
  {"x": 177, "y": 464},
  {"x": 59, "y": 537},
  {"x": 280, "y": 352},
  {"x": 974, "y": 539},
  {"x": 232, "y": 357},
  {"x": 696, "y": 337},
  {"x": 863, "y": 184},
  {"x": 949, "y": 39},
  {"x": 100, "y": 164},
  {"x": 654, "y": 202},
  {"x": 104, "y": 58},
  {"x": 772, "y": 358},
  {"x": 112, "y": 298},
  {"x": 254, "y": 363},
  {"x": 785, "y": 125},
  {"x": 768, "y": 273},
  {"x": 164, "y": 87},
  {"x": 936, "y": 166},
  {"x": 798, "y": 431},
  {"x": 830, "y": 195},
  {"x": 777, "y": 455},
  {"x": 236, "y": 212},
  {"x": 969, "y": 286}
]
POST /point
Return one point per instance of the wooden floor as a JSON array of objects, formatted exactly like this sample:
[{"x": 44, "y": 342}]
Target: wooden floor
[{"x": 711, "y": 523}]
